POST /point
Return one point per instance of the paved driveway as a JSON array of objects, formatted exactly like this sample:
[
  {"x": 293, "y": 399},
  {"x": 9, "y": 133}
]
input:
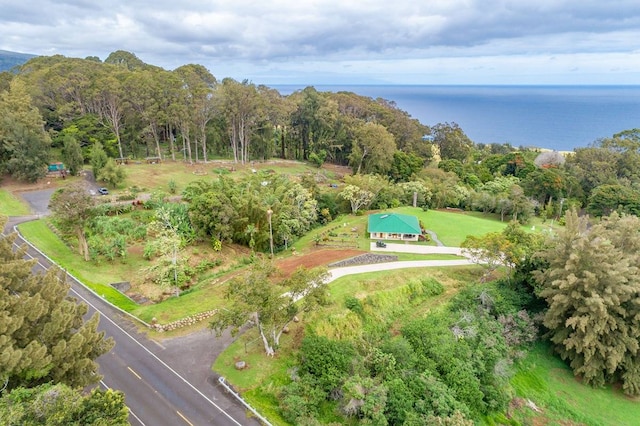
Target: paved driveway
[
  {"x": 38, "y": 200},
  {"x": 418, "y": 249}
]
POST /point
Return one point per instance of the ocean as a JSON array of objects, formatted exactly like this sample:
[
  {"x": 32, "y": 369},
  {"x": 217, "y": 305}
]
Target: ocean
[{"x": 553, "y": 117}]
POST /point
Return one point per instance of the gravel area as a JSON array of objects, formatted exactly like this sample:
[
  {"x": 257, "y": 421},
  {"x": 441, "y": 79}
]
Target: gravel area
[{"x": 364, "y": 259}]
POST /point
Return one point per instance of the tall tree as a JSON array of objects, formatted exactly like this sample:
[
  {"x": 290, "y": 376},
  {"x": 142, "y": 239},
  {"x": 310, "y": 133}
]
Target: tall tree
[
  {"x": 72, "y": 155},
  {"x": 451, "y": 141},
  {"x": 200, "y": 85},
  {"x": 592, "y": 288},
  {"x": 240, "y": 104},
  {"x": 111, "y": 104},
  {"x": 373, "y": 149},
  {"x": 43, "y": 334}
]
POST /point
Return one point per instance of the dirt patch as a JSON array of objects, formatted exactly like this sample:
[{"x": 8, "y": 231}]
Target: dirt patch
[
  {"x": 339, "y": 171},
  {"x": 314, "y": 259},
  {"x": 16, "y": 186}
]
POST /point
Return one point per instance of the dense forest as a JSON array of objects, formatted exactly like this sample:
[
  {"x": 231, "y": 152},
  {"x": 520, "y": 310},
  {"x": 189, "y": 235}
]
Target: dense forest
[{"x": 127, "y": 109}]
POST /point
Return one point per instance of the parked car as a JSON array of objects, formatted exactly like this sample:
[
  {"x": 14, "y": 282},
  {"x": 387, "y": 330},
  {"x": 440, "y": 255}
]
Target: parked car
[
  {"x": 381, "y": 244},
  {"x": 103, "y": 191}
]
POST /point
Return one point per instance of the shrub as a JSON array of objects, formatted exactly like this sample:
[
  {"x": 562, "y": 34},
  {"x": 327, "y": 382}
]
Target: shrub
[{"x": 353, "y": 304}]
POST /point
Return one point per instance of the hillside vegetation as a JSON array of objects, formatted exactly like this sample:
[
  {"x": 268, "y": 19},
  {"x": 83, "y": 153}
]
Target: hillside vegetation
[{"x": 212, "y": 183}]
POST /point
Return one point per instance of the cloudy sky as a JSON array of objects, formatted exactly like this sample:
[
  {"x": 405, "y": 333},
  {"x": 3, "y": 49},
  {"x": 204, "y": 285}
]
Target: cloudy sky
[{"x": 346, "y": 41}]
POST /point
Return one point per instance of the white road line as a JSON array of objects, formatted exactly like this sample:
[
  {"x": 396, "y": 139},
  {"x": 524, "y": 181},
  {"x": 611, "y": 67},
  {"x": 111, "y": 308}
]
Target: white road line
[
  {"x": 134, "y": 373},
  {"x": 103, "y": 315},
  {"x": 184, "y": 418}
]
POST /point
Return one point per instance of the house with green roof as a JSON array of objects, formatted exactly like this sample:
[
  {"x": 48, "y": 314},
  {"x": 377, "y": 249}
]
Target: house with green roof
[{"x": 393, "y": 226}]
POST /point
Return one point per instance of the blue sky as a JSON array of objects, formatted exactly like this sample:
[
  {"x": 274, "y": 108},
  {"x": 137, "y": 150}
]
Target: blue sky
[{"x": 346, "y": 41}]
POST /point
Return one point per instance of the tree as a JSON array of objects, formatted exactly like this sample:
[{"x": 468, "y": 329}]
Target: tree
[
  {"x": 592, "y": 167},
  {"x": 60, "y": 405},
  {"x": 72, "y": 155},
  {"x": 239, "y": 101},
  {"x": 24, "y": 144},
  {"x": 43, "y": 334},
  {"x": 72, "y": 208},
  {"x": 451, "y": 141},
  {"x": 372, "y": 150},
  {"x": 606, "y": 199},
  {"x": 269, "y": 307},
  {"x": 488, "y": 250},
  {"x": 111, "y": 105},
  {"x": 98, "y": 158},
  {"x": 165, "y": 241},
  {"x": 545, "y": 185},
  {"x": 404, "y": 166},
  {"x": 357, "y": 197},
  {"x": 591, "y": 286},
  {"x": 199, "y": 85},
  {"x": 112, "y": 173}
]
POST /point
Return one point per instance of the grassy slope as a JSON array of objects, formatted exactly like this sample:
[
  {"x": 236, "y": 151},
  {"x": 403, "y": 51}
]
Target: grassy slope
[
  {"x": 549, "y": 383},
  {"x": 11, "y": 206},
  {"x": 96, "y": 277},
  {"x": 261, "y": 380}
]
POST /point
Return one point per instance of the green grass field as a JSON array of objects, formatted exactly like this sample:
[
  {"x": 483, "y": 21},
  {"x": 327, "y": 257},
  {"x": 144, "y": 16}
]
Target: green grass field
[
  {"x": 12, "y": 206},
  {"x": 453, "y": 227}
]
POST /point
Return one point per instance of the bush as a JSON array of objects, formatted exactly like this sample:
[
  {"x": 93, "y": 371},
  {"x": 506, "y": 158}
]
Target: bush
[
  {"x": 353, "y": 304},
  {"x": 328, "y": 361},
  {"x": 431, "y": 287}
]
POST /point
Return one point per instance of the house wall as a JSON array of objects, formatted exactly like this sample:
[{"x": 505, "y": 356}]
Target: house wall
[{"x": 387, "y": 236}]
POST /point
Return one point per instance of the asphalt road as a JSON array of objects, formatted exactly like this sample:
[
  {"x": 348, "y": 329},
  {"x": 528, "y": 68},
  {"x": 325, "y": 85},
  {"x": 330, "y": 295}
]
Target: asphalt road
[{"x": 151, "y": 375}]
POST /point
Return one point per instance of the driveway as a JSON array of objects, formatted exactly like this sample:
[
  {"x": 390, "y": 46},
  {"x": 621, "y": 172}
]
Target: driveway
[
  {"x": 38, "y": 200},
  {"x": 418, "y": 249},
  {"x": 336, "y": 273}
]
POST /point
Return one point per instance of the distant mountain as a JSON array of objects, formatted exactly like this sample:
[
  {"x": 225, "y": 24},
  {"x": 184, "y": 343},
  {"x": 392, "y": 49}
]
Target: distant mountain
[{"x": 9, "y": 60}]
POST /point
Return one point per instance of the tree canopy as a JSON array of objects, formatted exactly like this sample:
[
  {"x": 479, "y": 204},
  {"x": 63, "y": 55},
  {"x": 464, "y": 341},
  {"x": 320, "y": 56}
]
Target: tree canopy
[
  {"x": 43, "y": 334},
  {"x": 592, "y": 288}
]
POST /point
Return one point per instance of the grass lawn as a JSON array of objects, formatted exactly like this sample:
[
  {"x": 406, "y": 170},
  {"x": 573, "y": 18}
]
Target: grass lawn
[
  {"x": 12, "y": 206},
  {"x": 549, "y": 383},
  {"x": 453, "y": 227}
]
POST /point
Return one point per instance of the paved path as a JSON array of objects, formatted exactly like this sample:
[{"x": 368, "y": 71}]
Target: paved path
[
  {"x": 415, "y": 248},
  {"x": 360, "y": 269}
]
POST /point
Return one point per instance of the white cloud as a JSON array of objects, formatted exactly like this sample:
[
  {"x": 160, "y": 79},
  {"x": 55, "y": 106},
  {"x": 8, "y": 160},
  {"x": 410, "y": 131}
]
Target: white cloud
[{"x": 468, "y": 41}]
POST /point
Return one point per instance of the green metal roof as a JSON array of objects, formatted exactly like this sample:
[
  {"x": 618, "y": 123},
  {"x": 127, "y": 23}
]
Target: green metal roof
[{"x": 394, "y": 223}]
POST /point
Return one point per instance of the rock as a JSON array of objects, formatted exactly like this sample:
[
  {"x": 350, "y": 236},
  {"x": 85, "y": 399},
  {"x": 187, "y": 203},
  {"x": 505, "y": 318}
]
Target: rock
[{"x": 240, "y": 365}]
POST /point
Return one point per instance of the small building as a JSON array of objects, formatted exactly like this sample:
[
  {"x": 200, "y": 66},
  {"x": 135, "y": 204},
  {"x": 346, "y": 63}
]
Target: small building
[
  {"x": 394, "y": 226},
  {"x": 56, "y": 167}
]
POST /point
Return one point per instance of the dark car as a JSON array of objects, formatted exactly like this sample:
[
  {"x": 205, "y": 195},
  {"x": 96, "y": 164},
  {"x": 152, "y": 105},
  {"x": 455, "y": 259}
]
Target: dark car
[
  {"x": 103, "y": 191},
  {"x": 381, "y": 244}
]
